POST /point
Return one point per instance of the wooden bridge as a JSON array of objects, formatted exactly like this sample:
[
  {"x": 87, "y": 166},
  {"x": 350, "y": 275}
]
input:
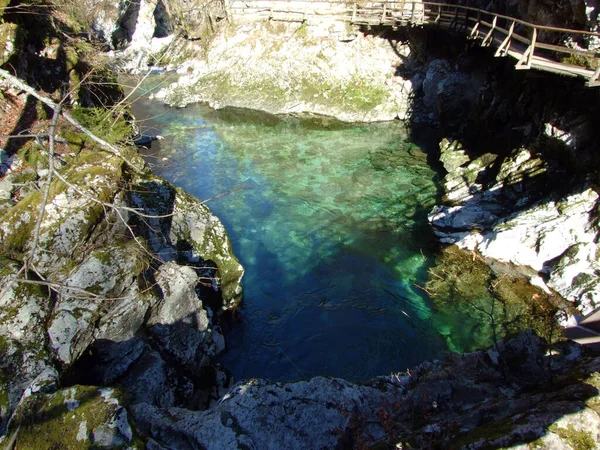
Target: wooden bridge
[{"x": 528, "y": 44}]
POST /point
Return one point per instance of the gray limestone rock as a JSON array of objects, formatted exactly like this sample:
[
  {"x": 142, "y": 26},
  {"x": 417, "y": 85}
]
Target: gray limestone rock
[
  {"x": 178, "y": 323},
  {"x": 107, "y": 274},
  {"x": 193, "y": 235},
  {"x": 473, "y": 400},
  {"x": 23, "y": 314}
]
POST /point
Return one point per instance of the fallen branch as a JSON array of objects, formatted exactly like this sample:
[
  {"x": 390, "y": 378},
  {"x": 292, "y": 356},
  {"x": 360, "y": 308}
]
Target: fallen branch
[
  {"x": 36, "y": 233},
  {"x": 16, "y": 82}
]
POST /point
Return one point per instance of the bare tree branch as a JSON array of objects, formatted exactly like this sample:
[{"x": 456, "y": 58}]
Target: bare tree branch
[
  {"x": 36, "y": 233},
  {"x": 16, "y": 82}
]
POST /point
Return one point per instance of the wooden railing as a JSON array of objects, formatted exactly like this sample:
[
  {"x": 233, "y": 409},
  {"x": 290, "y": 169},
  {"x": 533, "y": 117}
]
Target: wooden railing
[{"x": 533, "y": 46}]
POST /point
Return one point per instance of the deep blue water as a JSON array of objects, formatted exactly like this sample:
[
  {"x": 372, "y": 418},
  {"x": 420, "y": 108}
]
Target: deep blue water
[{"x": 329, "y": 221}]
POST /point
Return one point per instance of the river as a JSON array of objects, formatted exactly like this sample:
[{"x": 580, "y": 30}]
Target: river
[{"x": 329, "y": 221}]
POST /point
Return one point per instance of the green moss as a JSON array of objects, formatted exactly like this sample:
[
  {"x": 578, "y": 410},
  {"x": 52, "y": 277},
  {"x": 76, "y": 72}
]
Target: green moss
[
  {"x": 20, "y": 222},
  {"x": 46, "y": 422},
  {"x": 75, "y": 141},
  {"x": 538, "y": 443},
  {"x": 581, "y": 61},
  {"x": 4, "y": 400},
  {"x": 34, "y": 155},
  {"x": 111, "y": 126},
  {"x": 486, "y": 434},
  {"x": 9, "y": 45},
  {"x": 72, "y": 58},
  {"x": 579, "y": 440},
  {"x": 302, "y": 31},
  {"x": 24, "y": 178},
  {"x": 41, "y": 111}
]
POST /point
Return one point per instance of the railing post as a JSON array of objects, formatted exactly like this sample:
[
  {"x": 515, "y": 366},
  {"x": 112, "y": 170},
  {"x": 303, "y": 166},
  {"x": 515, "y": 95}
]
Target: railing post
[
  {"x": 412, "y": 13},
  {"x": 383, "y": 13},
  {"x": 354, "y": 13},
  {"x": 593, "y": 81},
  {"x": 454, "y": 22},
  {"x": 487, "y": 40},
  {"x": 475, "y": 31},
  {"x": 505, "y": 46},
  {"x": 465, "y": 25},
  {"x": 526, "y": 59}
]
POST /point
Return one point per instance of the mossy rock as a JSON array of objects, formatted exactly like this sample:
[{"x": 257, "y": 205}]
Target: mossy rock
[
  {"x": 80, "y": 417},
  {"x": 69, "y": 217},
  {"x": 9, "y": 45},
  {"x": 196, "y": 224},
  {"x": 577, "y": 439},
  {"x": 191, "y": 226}
]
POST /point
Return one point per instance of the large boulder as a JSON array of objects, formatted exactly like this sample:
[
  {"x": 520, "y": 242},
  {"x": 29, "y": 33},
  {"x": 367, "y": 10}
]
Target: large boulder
[
  {"x": 114, "y": 310},
  {"x": 186, "y": 231}
]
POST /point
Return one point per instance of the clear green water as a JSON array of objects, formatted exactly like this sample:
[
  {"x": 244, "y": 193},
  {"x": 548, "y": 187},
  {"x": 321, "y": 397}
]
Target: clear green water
[{"x": 330, "y": 224}]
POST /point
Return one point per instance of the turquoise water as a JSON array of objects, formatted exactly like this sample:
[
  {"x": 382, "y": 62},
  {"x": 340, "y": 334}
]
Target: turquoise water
[{"x": 329, "y": 221}]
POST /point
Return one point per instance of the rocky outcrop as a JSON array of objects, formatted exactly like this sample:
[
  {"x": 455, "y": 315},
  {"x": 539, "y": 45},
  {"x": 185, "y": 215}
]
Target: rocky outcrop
[
  {"x": 554, "y": 236},
  {"x": 74, "y": 418},
  {"x": 188, "y": 231},
  {"x": 92, "y": 291},
  {"x": 488, "y": 399},
  {"x": 326, "y": 68}
]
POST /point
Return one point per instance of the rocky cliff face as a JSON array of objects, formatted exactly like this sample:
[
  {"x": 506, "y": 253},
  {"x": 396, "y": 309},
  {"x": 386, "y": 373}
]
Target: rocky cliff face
[
  {"x": 521, "y": 179},
  {"x": 110, "y": 276},
  {"x": 296, "y": 68}
]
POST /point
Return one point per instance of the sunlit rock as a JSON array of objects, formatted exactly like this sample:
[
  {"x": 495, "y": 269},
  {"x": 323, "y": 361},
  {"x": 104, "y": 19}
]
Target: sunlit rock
[
  {"x": 75, "y": 417},
  {"x": 294, "y": 68}
]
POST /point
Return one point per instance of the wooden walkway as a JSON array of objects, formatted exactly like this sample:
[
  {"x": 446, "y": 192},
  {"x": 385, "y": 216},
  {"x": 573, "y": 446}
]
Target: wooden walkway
[
  {"x": 587, "y": 331},
  {"x": 525, "y": 42}
]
